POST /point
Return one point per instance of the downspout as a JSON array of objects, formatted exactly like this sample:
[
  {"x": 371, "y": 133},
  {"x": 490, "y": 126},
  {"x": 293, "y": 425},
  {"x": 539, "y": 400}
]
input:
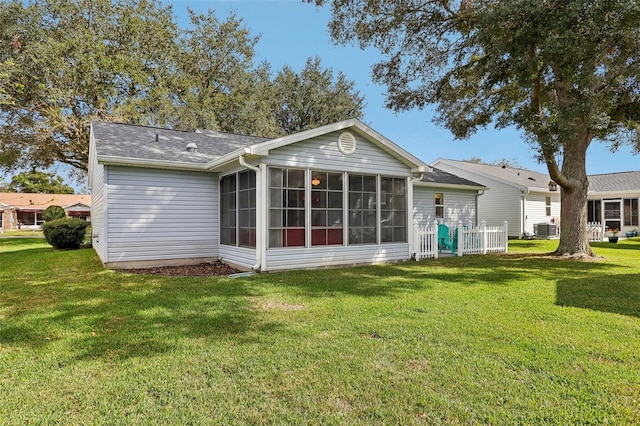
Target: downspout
[
  {"x": 480, "y": 194},
  {"x": 259, "y": 229},
  {"x": 524, "y": 215},
  {"x": 411, "y": 222}
]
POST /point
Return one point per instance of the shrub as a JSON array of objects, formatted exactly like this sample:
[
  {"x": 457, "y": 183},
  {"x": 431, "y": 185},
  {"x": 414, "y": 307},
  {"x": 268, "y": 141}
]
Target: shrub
[
  {"x": 66, "y": 233},
  {"x": 53, "y": 213}
]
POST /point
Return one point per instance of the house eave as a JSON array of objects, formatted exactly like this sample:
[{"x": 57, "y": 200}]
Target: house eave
[
  {"x": 234, "y": 157},
  {"x": 108, "y": 160},
  {"x": 451, "y": 186},
  {"x": 614, "y": 194}
]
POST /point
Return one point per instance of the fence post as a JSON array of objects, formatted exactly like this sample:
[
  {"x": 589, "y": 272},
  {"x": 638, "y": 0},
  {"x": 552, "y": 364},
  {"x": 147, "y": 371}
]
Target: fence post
[
  {"x": 415, "y": 243},
  {"x": 505, "y": 230},
  {"x": 483, "y": 232},
  {"x": 460, "y": 240},
  {"x": 433, "y": 239}
]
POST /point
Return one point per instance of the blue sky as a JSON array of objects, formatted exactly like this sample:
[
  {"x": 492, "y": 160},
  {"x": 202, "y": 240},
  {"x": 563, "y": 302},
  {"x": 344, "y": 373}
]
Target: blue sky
[{"x": 291, "y": 31}]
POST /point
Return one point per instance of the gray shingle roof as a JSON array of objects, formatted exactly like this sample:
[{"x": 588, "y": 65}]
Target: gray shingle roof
[
  {"x": 518, "y": 176},
  {"x": 150, "y": 143},
  {"x": 440, "y": 176},
  {"x": 615, "y": 182}
]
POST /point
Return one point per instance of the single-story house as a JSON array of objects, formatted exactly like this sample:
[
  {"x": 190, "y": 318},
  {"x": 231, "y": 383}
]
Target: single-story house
[
  {"x": 24, "y": 210},
  {"x": 613, "y": 200},
  {"x": 526, "y": 199},
  {"x": 340, "y": 194}
]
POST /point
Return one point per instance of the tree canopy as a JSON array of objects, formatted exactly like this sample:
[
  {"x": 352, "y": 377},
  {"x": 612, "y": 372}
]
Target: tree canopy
[
  {"x": 564, "y": 72},
  {"x": 68, "y": 62},
  {"x": 35, "y": 182}
]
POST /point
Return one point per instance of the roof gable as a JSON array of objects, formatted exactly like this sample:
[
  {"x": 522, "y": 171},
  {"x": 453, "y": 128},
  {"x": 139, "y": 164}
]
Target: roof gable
[{"x": 352, "y": 125}]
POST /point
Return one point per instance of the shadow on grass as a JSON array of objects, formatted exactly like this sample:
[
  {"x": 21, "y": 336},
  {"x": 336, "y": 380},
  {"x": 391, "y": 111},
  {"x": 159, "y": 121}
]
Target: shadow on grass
[
  {"x": 629, "y": 244},
  {"x": 390, "y": 279},
  {"x": 67, "y": 298},
  {"x": 612, "y": 293}
]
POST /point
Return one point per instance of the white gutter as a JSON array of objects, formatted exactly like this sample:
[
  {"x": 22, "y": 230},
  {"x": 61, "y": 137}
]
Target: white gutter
[
  {"x": 451, "y": 186},
  {"x": 259, "y": 229},
  {"x": 111, "y": 160}
]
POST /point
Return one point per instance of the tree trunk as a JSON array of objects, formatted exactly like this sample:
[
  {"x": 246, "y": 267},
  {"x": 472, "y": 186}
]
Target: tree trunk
[{"x": 574, "y": 239}]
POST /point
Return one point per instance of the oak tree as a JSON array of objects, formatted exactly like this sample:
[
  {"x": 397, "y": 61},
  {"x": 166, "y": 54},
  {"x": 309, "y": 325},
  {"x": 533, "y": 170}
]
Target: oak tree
[
  {"x": 565, "y": 72},
  {"x": 64, "y": 63},
  {"x": 35, "y": 182}
]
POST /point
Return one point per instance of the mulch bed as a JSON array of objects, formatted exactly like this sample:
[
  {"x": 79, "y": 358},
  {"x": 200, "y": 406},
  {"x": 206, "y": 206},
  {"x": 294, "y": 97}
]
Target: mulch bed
[{"x": 216, "y": 268}]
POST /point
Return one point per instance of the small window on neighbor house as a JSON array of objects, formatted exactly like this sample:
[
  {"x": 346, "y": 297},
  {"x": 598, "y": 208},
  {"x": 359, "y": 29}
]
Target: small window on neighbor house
[
  {"x": 547, "y": 203},
  {"x": 630, "y": 211},
  {"x": 593, "y": 211},
  {"x": 439, "y": 205}
]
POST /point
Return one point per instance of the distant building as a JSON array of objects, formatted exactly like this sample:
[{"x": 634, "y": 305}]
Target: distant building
[
  {"x": 613, "y": 200},
  {"x": 21, "y": 210},
  {"x": 525, "y": 198}
]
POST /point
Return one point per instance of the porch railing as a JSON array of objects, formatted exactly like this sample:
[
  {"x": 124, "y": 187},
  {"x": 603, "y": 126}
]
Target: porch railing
[{"x": 471, "y": 239}]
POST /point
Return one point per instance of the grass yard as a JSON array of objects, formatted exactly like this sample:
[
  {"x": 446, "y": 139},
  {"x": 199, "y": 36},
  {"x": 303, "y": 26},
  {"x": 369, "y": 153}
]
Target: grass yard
[{"x": 502, "y": 339}]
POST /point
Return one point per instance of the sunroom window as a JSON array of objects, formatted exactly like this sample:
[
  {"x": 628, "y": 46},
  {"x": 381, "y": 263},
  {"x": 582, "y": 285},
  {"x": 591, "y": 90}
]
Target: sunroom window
[
  {"x": 308, "y": 208},
  {"x": 286, "y": 207},
  {"x": 228, "y": 210},
  {"x": 362, "y": 209},
  {"x": 393, "y": 210},
  {"x": 326, "y": 208},
  {"x": 238, "y": 209}
]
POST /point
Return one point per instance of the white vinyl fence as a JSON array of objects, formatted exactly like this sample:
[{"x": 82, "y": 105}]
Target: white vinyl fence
[
  {"x": 471, "y": 239},
  {"x": 595, "y": 230}
]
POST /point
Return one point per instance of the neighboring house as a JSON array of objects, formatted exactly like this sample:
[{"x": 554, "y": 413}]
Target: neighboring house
[
  {"x": 523, "y": 197},
  {"x": 24, "y": 210},
  {"x": 340, "y": 194},
  {"x": 617, "y": 196}
]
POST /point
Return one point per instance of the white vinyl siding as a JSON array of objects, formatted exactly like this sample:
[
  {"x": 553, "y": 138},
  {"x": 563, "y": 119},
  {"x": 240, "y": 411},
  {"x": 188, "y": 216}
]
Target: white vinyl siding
[
  {"x": 161, "y": 214},
  {"x": 500, "y": 203},
  {"x": 458, "y": 205},
  {"x": 319, "y": 257},
  {"x": 536, "y": 210},
  {"x": 322, "y": 153},
  {"x": 98, "y": 236},
  {"x": 244, "y": 257}
]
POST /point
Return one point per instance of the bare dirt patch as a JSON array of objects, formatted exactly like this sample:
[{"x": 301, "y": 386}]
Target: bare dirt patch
[{"x": 215, "y": 269}]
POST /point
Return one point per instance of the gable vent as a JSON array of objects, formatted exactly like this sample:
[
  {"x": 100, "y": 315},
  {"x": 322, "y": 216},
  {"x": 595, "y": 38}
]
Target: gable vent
[{"x": 346, "y": 143}]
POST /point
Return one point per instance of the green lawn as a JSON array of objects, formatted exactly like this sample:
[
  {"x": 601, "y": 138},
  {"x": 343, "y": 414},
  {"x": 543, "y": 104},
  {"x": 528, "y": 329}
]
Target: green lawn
[{"x": 499, "y": 339}]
